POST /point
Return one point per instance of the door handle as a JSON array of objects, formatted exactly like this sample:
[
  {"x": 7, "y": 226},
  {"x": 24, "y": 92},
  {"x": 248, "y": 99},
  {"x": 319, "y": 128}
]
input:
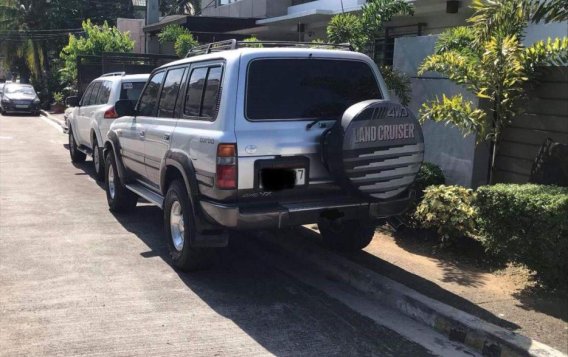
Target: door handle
[
  {"x": 142, "y": 133},
  {"x": 166, "y": 137}
]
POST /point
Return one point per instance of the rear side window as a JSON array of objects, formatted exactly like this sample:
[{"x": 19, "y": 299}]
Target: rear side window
[
  {"x": 170, "y": 93},
  {"x": 104, "y": 92},
  {"x": 92, "y": 97},
  {"x": 195, "y": 92},
  {"x": 131, "y": 90},
  {"x": 204, "y": 89},
  {"x": 211, "y": 93},
  {"x": 149, "y": 99},
  {"x": 288, "y": 89},
  {"x": 87, "y": 95}
]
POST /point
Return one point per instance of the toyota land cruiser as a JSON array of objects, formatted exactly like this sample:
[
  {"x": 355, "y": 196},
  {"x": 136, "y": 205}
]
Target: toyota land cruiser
[{"x": 234, "y": 138}]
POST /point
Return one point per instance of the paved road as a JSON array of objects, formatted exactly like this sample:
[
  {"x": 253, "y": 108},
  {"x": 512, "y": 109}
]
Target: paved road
[{"x": 78, "y": 280}]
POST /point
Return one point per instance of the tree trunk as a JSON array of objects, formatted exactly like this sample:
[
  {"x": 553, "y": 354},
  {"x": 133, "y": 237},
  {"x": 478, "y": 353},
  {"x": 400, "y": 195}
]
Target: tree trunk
[
  {"x": 494, "y": 149},
  {"x": 37, "y": 62},
  {"x": 45, "y": 60}
]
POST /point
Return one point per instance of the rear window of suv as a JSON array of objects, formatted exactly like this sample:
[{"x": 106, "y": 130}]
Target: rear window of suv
[
  {"x": 292, "y": 89},
  {"x": 131, "y": 90}
]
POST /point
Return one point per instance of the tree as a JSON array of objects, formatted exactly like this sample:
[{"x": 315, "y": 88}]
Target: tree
[
  {"x": 18, "y": 17},
  {"x": 347, "y": 28},
  {"x": 489, "y": 59},
  {"x": 96, "y": 40},
  {"x": 362, "y": 32},
  {"x": 180, "y": 7},
  {"x": 180, "y": 36}
]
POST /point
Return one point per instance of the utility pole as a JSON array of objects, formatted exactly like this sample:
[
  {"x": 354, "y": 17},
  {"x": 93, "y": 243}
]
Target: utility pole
[{"x": 152, "y": 17}]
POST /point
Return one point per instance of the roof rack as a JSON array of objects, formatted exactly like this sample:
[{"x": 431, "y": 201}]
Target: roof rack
[
  {"x": 112, "y": 74},
  {"x": 234, "y": 44}
]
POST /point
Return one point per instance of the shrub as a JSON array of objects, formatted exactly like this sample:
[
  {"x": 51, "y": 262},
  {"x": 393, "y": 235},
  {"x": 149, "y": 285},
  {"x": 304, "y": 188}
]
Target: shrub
[
  {"x": 527, "y": 224},
  {"x": 182, "y": 39},
  {"x": 58, "y": 97},
  {"x": 429, "y": 175},
  {"x": 251, "y": 42},
  {"x": 449, "y": 210}
]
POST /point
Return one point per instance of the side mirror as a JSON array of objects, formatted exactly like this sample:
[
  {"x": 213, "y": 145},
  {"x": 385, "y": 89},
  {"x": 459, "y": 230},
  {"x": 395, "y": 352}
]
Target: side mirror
[
  {"x": 72, "y": 101},
  {"x": 124, "y": 107}
]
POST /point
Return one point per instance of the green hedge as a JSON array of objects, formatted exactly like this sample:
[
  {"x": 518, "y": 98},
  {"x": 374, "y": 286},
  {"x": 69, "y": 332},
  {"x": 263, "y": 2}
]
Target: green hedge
[{"x": 527, "y": 224}]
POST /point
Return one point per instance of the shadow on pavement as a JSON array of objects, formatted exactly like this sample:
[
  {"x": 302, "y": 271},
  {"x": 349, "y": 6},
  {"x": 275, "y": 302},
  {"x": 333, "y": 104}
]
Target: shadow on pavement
[
  {"x": 416, "y": 282},
  {"x": 552, "y": 304},
  {"x": 283, "y": 315},
  {"x": 88, "y": 169}
]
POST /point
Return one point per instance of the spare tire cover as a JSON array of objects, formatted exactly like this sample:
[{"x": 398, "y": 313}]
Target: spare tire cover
[{"x": 376, "y": 150}]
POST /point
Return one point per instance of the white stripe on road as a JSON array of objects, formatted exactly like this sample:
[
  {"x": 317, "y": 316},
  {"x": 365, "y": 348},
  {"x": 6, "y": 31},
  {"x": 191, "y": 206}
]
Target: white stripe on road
[{"x": 56, "y": 126}]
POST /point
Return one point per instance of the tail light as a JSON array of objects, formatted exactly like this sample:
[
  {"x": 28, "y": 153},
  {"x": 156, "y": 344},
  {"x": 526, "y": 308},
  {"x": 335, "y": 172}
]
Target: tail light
[
  {"x": 111, "y": 113},
  {"x": 227, "y": 166}
]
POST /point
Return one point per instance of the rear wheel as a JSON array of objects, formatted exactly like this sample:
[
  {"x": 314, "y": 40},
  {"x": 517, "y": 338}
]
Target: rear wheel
[
  {"x": 98, "y": 162},
  {"x": 346, "y": 235},
  {"x": 76, "y": 155},
  {"x": 179, "y": 221},
  {"x": 119, "y": 198}
]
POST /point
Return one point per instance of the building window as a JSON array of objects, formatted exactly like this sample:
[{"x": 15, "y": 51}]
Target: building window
[
  {"x": 225, "y": 2},
  {"x": 300, "y": 2}
]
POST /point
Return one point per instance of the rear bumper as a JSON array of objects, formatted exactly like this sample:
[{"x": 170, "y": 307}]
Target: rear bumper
[{"x": 294, "y": 214}]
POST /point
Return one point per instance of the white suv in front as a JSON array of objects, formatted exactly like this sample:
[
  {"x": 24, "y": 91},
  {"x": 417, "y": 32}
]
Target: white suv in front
[{"x": 90, "y": 118}]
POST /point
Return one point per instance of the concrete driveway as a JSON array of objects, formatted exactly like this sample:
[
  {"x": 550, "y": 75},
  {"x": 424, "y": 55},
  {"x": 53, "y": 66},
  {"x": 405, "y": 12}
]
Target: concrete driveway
[{"x": 78, "y": 280}]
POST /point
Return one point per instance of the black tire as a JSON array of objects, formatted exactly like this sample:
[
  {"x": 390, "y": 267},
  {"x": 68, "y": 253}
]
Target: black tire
[
  {"x": 346, "y": 235},
  {"x": 76, "y": 155},
  {"x": 98, "y": 162},
  {"x": 183, "y": 256},
  {"x": 119, "y": 198}
]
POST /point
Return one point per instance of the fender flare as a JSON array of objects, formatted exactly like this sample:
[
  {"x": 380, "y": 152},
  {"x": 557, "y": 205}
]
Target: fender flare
[
  {"x": 183, "y": 164},
  {"x": 95, "y": 131},
  {"x": 114, "y": 144}
]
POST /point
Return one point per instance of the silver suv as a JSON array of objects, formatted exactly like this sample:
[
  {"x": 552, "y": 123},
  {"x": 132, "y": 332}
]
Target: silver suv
[
  {"x": 235, "y": 138},
  {"x": 89, "y": 119}
]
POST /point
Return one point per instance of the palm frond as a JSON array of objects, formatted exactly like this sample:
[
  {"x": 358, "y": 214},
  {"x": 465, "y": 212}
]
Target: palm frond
[
  {"x": 550, "y": 10},
  {"x": 542, "y": 53},
  {"x": 500, "y": 17},
  {"x": 457, "y": 67}
]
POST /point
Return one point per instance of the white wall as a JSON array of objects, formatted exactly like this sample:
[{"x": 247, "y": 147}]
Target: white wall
[
  {"x": 541, "y": 31},
  {"x": 445, "y": 145},
  {"x": 134, "y": 27}
]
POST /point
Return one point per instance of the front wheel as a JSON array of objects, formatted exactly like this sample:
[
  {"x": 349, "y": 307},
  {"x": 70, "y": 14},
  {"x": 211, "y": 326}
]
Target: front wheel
[
  {"x": 119, "y": 198},
  {"x": 179, "y": 221},
  {"x": 98, "y": 162},
  {"x": 76, "y": 155},
  {"x": 346, "y": 235}
]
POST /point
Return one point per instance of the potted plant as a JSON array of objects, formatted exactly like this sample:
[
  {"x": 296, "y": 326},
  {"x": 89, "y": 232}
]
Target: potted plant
[{"x": 58, "y": 106}]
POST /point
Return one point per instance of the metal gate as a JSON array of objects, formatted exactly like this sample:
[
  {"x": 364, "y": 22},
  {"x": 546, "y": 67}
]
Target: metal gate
[{"x": 90, "y": 67}]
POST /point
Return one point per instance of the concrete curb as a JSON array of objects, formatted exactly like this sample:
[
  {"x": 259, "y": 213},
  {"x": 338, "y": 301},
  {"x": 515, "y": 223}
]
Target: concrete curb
[
  {"x": 486, "y": 338},
  {"x": 54, "y": 119}
]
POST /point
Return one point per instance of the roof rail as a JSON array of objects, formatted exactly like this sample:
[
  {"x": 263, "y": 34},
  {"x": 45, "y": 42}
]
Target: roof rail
[
  {"x": 234, "y": 44},
  {"x": 112, "y": 74}
]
